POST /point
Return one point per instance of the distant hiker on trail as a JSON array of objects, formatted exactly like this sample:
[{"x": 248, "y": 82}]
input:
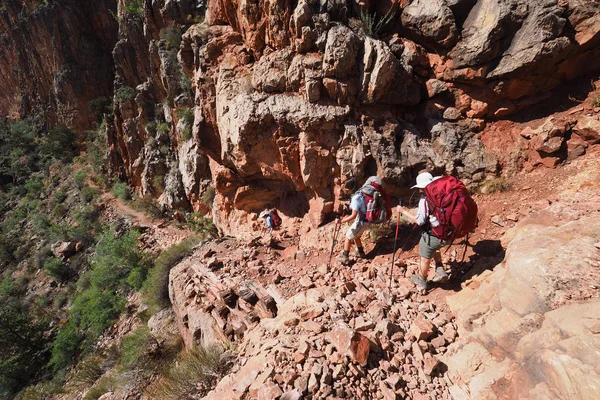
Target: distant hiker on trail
[
  {"x": 369, "y": 205},
  {"x": 271, "y": 218},
  {"x": 445, "y": 212}
]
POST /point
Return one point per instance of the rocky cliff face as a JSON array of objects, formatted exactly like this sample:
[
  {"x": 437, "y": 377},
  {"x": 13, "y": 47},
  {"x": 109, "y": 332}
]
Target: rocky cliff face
[
  {"x": 55, "y": 57},
  {"x": 286, "y": 101}
]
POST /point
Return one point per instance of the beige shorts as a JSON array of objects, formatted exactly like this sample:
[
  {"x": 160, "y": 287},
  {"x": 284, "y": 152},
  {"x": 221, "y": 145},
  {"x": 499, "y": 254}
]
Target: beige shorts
[{"x": 357, "y": 228}]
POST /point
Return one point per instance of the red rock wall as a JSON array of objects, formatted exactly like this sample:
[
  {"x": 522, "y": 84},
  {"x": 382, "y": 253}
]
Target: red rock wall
[
  {"x": 55, "y": 57},
  {"x": 291, "y": 99}
]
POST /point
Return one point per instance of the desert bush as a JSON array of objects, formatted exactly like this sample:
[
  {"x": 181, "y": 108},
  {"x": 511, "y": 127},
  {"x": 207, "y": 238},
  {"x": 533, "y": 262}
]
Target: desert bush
[
  {"x": 193, "y": 375},
  {"x": 208, "y": 196},
  {"x": 60, "y": 143},
  {"x": 57, "y": 269},
  {"x": 99, "y": 107},
  {"x": 156, "y": 288},
  {"x": 58, "y": 211},
  {"x": 121, "y": 191},
  {"x": 135, "y": 349},
  {"x": 104, "y": 385},
  {"x": 115, "y": 258},
  {"x": 148, "y": 206},
  {"x": 372, "y": 25},
  {"x": 125, "y": 94},
  {"x": 201, "y": 225},
  {"x": 163, "y": 128},
  {"x": 494, "y": 186},
  {"x": 172, "y": 36},
  {"x": 596, "y": 101},
  {"x": 88, "y": 371},
  {"x": 134, "y": 7}
]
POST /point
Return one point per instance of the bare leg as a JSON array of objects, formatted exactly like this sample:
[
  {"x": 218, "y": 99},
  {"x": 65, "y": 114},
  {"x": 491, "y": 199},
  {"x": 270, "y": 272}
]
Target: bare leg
[
  {"x": 358, "y": 242},
  {"x": 424, "y": 268},
  {"x": 347, "y": 244},
  {"x": 437, "y": 256}
]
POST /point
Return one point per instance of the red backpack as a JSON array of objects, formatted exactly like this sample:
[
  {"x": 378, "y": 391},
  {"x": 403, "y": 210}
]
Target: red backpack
[
  {"x": 455, "y": 210},
  {"x": 275, "y": 218},
  {"x": 377, "y": 202}
]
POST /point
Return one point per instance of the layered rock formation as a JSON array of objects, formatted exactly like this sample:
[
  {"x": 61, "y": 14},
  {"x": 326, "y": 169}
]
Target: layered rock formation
[
  {"x": 55, "y": 57},
  {"x": 288, "y": 101}
]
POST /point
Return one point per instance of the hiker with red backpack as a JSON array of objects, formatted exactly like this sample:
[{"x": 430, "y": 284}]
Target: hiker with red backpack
[
  {"x": 272, "y": 219},
  {"x": 445, "y": 212},
  {"x": 369, "y": 205}
]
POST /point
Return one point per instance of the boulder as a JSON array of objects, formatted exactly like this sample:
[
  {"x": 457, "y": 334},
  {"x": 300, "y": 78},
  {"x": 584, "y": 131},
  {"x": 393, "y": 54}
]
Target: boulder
[
  {"x": 588, "y": 128},
  {"x": 63, "y": 250},
  {"x": 431, "y": 21},
  {"x": 341, "y": 51},
  {"x": 384, "y": 79},
  {"x": 349, "y": 342}
]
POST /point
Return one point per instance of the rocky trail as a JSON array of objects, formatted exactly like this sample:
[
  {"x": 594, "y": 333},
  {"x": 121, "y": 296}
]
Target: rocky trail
[{"x": 304, "y": 330}]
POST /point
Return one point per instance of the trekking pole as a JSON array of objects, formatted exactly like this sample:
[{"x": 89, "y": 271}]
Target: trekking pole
[
  {"x": 394, "y": 252},
  {"x": 336, "y": 230}
]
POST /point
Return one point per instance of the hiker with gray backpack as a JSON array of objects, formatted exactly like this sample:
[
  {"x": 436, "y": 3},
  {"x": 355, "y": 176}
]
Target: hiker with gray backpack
[
  {"x": 370, "y": 205},
  {"x": 445, "y": 212}
]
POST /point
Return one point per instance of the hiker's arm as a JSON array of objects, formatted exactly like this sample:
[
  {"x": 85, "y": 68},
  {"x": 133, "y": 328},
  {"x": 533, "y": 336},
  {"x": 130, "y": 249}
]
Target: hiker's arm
[
  {"x": 350, "y": 217},
  {"x": 404, "y": 212}
]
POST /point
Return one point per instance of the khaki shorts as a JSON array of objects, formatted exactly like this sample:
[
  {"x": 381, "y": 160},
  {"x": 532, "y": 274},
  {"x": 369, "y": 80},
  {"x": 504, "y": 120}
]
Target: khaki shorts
[
  {"x": 429, "y": 244},
  {"x": 357, "y": 229}
]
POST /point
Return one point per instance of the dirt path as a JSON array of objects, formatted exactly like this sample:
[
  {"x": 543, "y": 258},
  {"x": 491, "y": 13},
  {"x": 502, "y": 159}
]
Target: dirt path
[{"x": 159, "y": 233}]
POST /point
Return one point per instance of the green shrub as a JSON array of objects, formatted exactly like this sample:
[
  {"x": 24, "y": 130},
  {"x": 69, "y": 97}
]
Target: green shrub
[
  {"x": 163, "y": 127},
  {"x": 104, "y": 385},
  {"x": 137, "y": 277},
  {"x": 134, "y": 7},
  {"x": 96, "y": 309},
  {"x": 135, "y": 349},
  {"x": 88, "y": 371},
  {"x": 115, "y": 258},
  {"x": 65, "y": 346},
  {"x": 121, "y": 191},
  {"x": 156, "y": 288},
  {"x": 148, "y": 206},
  {"x": 59, "y": 211},
  {"x": 99, "y": 107},
  {"x": 201, "y": 224},
  {"x": 60, "y": 143},
  {"x": 208, "y": 196},
  {"x": 34, "y": 187},
  {"x": 193, "y": 375},
  {"x": 59, "y": 196},
  {"x": 125, "y": 94},
  {"x": 88, "y": 194},
  {"x": 80, "y": 177},
  {"x": 57, "y": 269},
  {"x": 372, "y": 25},
  {"x": 172, "y": 36}
]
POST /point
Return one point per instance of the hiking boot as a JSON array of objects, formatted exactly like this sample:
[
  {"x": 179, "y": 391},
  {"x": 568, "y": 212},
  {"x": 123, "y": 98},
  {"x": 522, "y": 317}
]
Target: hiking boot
[
  {"x": 343, "y": 259},
  {"x": 360, "y": 253},
  {"x": 440, "y": 275},
  {"x": 420, "y": 282}
]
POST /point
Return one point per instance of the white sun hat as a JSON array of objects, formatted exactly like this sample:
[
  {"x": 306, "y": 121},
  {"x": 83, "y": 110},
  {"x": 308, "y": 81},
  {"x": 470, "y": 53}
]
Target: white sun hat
[{"x": 424, "y": 179}]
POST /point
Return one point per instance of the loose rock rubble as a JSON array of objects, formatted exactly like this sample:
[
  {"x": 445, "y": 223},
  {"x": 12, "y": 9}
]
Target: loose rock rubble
[{"x": 344, "y": 335}]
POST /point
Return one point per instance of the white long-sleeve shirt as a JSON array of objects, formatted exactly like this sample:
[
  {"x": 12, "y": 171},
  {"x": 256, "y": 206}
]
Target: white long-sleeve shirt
[{"x": 422, "y": 212}]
